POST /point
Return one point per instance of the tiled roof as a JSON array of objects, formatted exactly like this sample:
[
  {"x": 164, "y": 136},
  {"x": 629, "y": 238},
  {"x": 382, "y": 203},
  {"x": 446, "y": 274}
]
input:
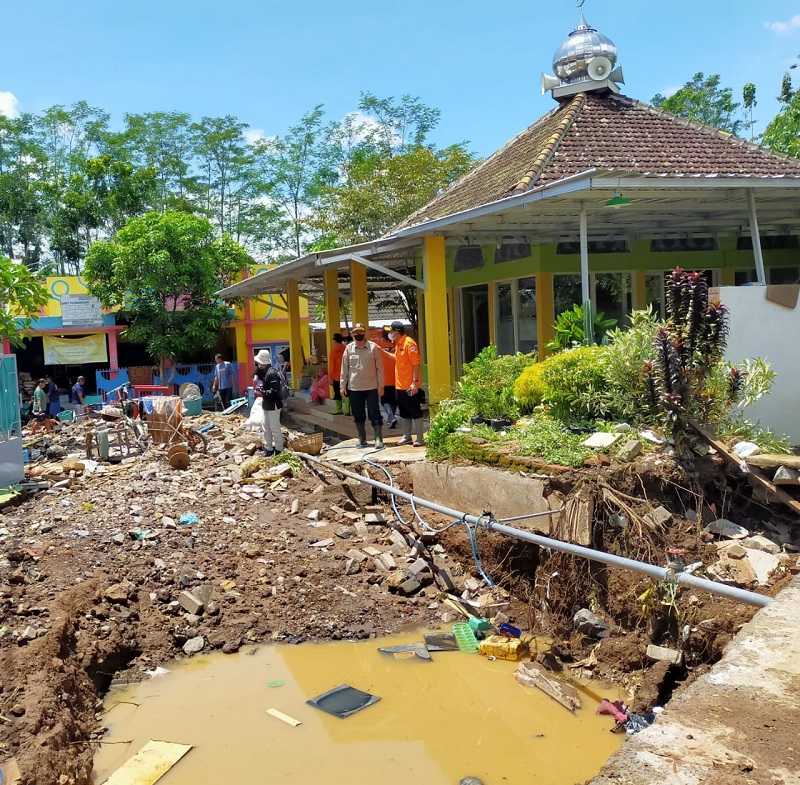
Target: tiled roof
[{"x": 612, "y": 133}]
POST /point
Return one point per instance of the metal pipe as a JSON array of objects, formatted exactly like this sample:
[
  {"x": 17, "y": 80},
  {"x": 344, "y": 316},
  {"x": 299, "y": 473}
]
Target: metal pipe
[
  {"x": 659, "y": 573},
  {"x": 755, "y": 237}
]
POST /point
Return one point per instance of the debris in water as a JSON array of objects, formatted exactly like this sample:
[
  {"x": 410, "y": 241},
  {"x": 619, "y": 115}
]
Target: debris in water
[
  {"x": 148, "y": 765},
  {"x": 465, "y": 637},
  {"x": 529, "y": 674},
  {"x": 441, "y": 642},
  {"x": 417, "y": 649},
  {"x": 276, "y": 683},
  {"x": 279, "y": 715},
  {"x": 343, "y": 701},
  {"x": 503, "y": 648}
]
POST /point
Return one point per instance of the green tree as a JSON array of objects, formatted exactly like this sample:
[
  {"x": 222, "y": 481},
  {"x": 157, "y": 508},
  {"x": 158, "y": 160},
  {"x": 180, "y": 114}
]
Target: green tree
[
  {"x": 782, "y": 135},
  {"x": 164, "y": 270},
  {"x": 293, "y": 169},
  {"x": 22, "y": 294},
  {"x": 787, "y": 90},
  {"x": 703, "y": 100},
  {"x": 750, "y": 101}
]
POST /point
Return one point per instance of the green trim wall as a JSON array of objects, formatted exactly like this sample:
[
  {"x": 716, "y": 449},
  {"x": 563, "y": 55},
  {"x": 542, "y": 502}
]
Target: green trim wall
[{"x": 544, "y": 258}]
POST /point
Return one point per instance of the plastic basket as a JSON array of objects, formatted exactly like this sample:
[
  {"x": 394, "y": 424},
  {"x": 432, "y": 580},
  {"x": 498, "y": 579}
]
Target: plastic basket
[
  {"x": 193, "y": 406},
  {"x": 310, "y": 444},
  {"x": 465, "y": 637}
]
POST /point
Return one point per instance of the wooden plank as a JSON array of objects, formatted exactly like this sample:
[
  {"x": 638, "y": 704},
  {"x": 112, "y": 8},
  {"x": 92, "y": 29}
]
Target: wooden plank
[
  {"x": 529, "y": 674},
  {"x": 753, "y": 473},
  {"x": 148, "y": 765},
  {"x": 774, "y": 461}
]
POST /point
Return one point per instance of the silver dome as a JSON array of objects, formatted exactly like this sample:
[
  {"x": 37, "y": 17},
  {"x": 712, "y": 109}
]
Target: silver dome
[{"x": 571, "y": 60}]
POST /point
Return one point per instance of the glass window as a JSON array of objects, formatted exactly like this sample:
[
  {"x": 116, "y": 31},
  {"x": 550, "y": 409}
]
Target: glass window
[
  {"x": 526, "y": 315},
  {"x": 468, "y": 257},
  {"x": 744, "y": 277},
  {"x": 567, "y": 291},
  {"x": 474, "y": 320},
  {"x": 779, "y": 275},
  {"x": 613, "y": 295},
  {"x": 654, "y": 292},
  {"x": 505, "y": 319},
  {"x": 510, "y": 250},
  {"x": 770, "y": 242},
  {"x": 683, "y": 244}
]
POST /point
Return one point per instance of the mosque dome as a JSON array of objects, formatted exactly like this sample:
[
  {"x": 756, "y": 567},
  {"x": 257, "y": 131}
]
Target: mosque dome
[{"x": 586, "y": 55}]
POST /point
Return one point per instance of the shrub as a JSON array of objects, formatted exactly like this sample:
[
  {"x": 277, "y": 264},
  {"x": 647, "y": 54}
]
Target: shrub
[
  {"x": 569, "y": 331},
  {"x": 488, "y": 383},
  {"x": 529, "y": 387},
  {"x": 627, "y": 392},
  {"x": 450, "y": 415},
  {"x": 573, "y": 383}
]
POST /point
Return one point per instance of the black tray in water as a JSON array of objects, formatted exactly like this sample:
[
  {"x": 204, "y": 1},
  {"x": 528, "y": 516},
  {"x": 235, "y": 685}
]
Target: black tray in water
[{"x": 343, "y": 701}]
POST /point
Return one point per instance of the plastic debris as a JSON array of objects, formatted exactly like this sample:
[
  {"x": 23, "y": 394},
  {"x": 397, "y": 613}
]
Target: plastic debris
[
  {"x": 275, "y": 683},
  {"x": 503, "y": 648},
  {"x": 148, "y": 765},
  {"x": 343, "y": 701},
  {"x": 188, "y": 519},
  {"x": 479, "y": 626},
  {"x": 529, "y": 674},
  {"x": 417, "y": 649},
  {"x": 279, "y": 715},
  {"x": 465, "y": 637},
  {"x": 441, "y": 642}
]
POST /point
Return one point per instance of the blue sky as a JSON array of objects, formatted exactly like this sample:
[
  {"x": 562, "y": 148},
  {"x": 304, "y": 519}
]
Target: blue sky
[{"x": 267, "y": 62}]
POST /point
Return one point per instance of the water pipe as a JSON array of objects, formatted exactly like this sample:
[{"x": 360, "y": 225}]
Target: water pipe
[{"x": 486, "y": 521}]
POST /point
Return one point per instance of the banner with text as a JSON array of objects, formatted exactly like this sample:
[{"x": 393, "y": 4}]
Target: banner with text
[{"x": 75, "y": 351}]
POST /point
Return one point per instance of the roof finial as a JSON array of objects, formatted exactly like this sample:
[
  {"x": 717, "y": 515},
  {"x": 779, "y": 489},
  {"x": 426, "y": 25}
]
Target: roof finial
[{"x": 582, "y": 24}]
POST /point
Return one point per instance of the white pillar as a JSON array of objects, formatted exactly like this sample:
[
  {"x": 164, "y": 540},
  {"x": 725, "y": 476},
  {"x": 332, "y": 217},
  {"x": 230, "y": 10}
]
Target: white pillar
[
  {"x": 586, "y": 289},
  {"x": 755, "y": 236}
]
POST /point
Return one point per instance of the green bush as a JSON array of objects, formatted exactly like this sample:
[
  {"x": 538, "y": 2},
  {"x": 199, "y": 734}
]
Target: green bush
[
  {"x": 487, "y": 383},
  {"x": 627, "y": 351},
  {"x": 450, "y": 415},
  {"x": 569, "y": 331},
  {"x": 573, "y": 383},
  {"x": 529, "y": 389}
]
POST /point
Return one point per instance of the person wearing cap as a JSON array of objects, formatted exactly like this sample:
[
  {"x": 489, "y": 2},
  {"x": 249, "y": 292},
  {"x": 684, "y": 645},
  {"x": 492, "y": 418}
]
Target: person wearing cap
[
  {"x": 407, "y": 384},
  {"x": 267, "y": 383},
  {"x": 362, "y": 383}
]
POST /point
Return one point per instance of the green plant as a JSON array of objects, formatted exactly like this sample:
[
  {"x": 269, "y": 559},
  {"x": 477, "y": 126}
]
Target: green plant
[
  {"x": 22, "y": 294},
  {"x": 529, "y": 387},
  {"x": 547, "y": 438},
  {"x": 569, "y": 331},
  {"x": 738, "y": 429},
  {"x": 573, "y": 382},
  {"x": 487, "y": 383},
  {"x": 450, "y": 415},
  {"x": 626, "y": 393}
]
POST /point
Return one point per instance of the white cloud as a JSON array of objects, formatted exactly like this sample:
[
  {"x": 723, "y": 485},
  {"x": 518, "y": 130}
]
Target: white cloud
[
  {"x": 670, "y": 90},
  {"x": 9, "y": 104},
  {"x": 783, "y": 27},
  {"x": 253, "y": 135}
]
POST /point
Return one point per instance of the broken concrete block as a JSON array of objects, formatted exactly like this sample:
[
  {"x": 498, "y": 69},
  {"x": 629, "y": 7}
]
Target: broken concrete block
[
  {"x": 662, "y": 654},
  {"x": 725, "y": 528},
  {"x": 631, "y": 450},
  {"x": 601, "y": 440},
  {"x": 735, "y": 551},
  {"x": 472, "y": 584},
  {"x": 374, "y": 519},
  {"x": 659, "y": 517},
  {"x": 361, "y": 528},
  {"x": 371, "y": 550},
  {"x": 281, "y": 470},
  {"x": 326, "y": 543},
  {"x": 351, "y": 567},
  {"x": 745, "y": 450},
  {"x": 313, "y": 515},
  {"x": 295, "y": 508},
  {"x": 763, "y": 565},
  {"x": 786, "y": 476},
  {"x": 760, "y": 543},
  {"x": 194, "y": 645},
  {"x": 385, "y": 562},
  {"x": 190, "y": 603},
  {"x": 590, "y": 625},
  {"x": 418, "y": 568},
  {"x": 356, "y": 555},
  {"x": 396, "y": 538}
]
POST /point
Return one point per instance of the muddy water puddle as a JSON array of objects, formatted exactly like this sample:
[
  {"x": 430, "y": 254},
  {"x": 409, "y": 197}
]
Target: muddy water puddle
[{"x": 459, "y": 715}]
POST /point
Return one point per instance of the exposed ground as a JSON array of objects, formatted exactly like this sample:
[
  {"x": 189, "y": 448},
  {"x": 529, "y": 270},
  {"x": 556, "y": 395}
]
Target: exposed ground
[{"x": 92, "y": 571}]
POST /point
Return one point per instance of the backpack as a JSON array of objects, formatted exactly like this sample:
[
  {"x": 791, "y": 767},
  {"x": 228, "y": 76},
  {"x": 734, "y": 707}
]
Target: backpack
[{"x": 285, "y": 391}]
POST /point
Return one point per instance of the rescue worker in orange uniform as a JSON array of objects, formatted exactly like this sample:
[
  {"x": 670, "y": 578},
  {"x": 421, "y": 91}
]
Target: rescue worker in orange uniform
[{"x": 407, "y": 384}]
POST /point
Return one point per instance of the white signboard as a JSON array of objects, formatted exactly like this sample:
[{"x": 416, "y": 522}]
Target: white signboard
[{"x": 81, "y": 310}]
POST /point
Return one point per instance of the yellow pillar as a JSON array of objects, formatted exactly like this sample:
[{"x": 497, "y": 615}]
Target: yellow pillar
[
  {"x": 295, "y": 337},
  {"x": 492, "y": 313},
  {"x": 639, "y": 290},
  {"x": 436, "y": 318},
  {"x": 455, "y": 334},
  {"x": 545, "y": 312},
  {"x": 358, "y": 293},
  {"x": 727, "y": 276},
  {"x": 333, "y": 318}
]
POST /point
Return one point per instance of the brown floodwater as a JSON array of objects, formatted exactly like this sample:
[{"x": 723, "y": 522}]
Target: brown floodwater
[{"x": 459, "y": 715}]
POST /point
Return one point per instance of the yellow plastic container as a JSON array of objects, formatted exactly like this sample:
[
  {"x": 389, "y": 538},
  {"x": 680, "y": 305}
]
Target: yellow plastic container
[{"x": 503, "y": 648}]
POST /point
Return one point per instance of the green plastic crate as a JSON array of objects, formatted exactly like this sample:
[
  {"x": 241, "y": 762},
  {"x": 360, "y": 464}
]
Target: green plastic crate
[{"x": 465, "y": 637}]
